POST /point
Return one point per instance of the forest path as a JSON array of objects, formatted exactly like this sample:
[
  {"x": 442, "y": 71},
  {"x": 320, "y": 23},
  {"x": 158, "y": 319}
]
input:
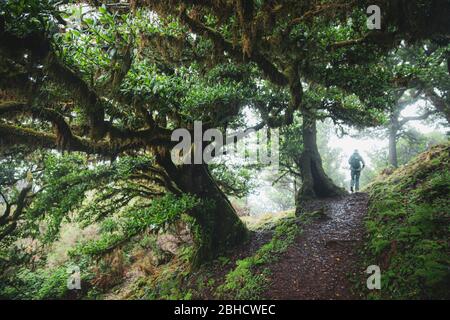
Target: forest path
[{"x": 318, "y": 264}]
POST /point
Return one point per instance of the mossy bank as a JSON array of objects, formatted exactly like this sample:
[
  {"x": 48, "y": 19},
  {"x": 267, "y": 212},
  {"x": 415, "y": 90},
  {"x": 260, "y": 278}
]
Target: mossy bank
[{"x": 408, "y": 226}]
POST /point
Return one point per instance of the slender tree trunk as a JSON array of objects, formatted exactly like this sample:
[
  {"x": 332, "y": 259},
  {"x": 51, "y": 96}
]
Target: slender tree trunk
[
  {"x": 315, "y": 182},
  {"x": 218, "y": 226},
  {"x": 295, "y": 191},
  {"x": 393, "y": 161},
  {"x": 393, "y": 131}
]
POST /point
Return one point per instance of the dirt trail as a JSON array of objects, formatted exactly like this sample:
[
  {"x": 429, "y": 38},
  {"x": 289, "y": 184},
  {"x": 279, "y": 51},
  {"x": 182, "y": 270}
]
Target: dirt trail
[{"x": 318, "y": 265}]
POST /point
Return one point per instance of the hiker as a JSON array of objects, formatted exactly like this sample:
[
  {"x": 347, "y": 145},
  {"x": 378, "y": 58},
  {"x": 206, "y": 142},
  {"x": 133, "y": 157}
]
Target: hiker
[{"x": 355, "y": 163}]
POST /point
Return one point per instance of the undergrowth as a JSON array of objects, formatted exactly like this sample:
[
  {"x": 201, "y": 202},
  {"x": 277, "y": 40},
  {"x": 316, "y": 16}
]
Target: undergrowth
[
  {"x": 246, "y": 279},
  {"x": 250, "y": 277},
  {"x": 408, "y": 228}
]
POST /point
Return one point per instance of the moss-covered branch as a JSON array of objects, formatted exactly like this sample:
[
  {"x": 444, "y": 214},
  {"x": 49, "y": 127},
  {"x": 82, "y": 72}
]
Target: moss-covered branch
[
  {"x": 12, "y": 135},
  {"x": 269, "y": 69}
]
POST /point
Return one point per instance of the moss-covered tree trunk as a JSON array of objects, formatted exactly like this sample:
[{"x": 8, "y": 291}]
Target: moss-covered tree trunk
[
  {"x": 315, "y": 182},
  {"x": 218, "y": 226}
]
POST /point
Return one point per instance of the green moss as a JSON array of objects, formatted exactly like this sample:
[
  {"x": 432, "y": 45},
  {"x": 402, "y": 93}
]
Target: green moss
[
  {"x": 205, "y": 226},
  {"x": 41, "y": 284},
  {"x": 168, "y": 282},
  {"x": 408, "y": 227},
  {"x": 250, "y": 277}
]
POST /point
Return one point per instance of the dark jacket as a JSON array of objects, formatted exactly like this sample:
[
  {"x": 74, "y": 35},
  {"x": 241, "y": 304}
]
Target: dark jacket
[{"x": 355, "y": 162}]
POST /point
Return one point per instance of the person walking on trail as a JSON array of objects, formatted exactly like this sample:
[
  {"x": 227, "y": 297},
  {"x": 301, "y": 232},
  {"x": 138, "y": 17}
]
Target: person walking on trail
[{"x": 356, "y": 163}]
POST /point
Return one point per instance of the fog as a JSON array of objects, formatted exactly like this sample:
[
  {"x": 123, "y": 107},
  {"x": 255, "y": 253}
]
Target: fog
[{"x": 260, "y": 202}]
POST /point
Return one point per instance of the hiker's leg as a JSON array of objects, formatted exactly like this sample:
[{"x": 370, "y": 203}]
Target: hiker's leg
[
  {"x": 357, "y": 181},
  {"x": 352, "y": 180}
]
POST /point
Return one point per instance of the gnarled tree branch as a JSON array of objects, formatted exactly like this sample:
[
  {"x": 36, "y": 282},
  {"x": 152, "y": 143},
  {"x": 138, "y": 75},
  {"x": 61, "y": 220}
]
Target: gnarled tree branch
[{"x": 268, "y": 68}]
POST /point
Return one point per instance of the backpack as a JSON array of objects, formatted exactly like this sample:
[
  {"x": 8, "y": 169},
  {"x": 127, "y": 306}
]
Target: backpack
[{"x": 355, "y": 162}]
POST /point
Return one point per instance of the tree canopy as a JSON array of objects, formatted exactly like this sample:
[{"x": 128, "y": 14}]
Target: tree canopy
[{"x": 91, "y": 92}]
